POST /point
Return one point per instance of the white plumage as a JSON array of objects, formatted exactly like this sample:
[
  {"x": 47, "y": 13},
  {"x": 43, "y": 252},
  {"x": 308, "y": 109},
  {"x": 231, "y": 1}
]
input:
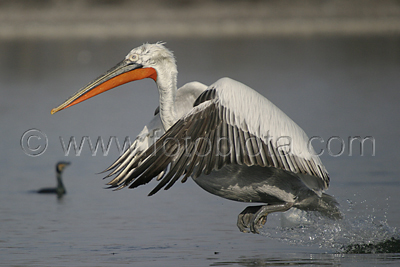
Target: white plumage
[{"x": 231, "y": 140}]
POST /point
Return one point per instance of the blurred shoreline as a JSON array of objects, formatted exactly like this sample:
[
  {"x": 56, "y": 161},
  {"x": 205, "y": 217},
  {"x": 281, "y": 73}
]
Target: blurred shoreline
[{"x": 60, "y": 19}]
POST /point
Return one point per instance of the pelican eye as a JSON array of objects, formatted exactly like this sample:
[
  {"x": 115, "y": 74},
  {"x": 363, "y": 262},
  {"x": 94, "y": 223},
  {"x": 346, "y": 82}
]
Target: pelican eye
[{"x": 133, "y": 57}]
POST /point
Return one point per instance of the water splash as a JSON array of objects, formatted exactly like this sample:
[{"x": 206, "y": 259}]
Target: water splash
[{"x": 362, "y": 231}]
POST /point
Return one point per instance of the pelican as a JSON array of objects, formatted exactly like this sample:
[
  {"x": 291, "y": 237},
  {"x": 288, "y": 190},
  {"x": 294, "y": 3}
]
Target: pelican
[
  {"x": 60, "y": 189},
  {"x": 231, "y": 140}
]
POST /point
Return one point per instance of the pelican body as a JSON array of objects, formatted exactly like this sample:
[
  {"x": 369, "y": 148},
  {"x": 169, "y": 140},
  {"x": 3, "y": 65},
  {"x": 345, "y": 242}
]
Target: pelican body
[
  {"x": 231, "y": 140},
  {"x": 60, "y": 189}
]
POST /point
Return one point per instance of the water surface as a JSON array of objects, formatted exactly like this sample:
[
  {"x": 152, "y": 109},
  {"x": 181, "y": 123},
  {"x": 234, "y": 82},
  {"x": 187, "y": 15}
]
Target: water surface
[{"x": 334, "y": 88}]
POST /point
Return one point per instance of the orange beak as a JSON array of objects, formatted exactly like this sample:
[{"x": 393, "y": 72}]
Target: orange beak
[{"x": 122, "y": 73}]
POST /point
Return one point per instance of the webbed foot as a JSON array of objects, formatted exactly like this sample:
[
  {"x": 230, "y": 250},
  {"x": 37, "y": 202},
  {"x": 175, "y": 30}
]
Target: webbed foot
[{"x": 253, "y": 218}]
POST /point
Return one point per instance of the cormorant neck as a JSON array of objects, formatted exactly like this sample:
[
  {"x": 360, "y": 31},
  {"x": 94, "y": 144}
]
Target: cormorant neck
[{"x": 60, "y": 184}]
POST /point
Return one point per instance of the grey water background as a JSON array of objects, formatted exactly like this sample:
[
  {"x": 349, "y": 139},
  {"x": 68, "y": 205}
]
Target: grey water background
[{"x": 340, "y": 87}]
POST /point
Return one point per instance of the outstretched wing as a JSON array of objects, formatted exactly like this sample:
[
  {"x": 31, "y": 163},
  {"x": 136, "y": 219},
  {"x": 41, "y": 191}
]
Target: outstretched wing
[
  {"x": 147, "y": 137},
  {"x": 186, "y": 95},
  {"x": 229, "y": 124}
]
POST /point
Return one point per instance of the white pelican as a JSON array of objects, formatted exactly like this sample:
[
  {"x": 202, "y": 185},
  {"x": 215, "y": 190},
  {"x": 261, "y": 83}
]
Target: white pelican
[
  {"x": 60, "y": 189},
  {"x": 231, "y": 140}
]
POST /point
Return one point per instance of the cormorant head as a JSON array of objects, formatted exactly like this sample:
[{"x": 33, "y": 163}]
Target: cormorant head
[{"x": 60, "y": 166}]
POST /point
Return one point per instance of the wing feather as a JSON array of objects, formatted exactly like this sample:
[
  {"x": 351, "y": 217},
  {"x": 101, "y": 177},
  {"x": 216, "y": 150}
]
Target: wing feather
[{"x": 216, "y": 132}]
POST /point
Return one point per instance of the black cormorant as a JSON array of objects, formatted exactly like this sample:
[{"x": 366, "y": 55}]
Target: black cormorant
[{"x": 60, "y": 189}]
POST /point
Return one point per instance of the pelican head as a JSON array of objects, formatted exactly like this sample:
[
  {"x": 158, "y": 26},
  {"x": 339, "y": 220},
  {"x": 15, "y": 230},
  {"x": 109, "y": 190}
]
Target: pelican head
[{"x": 146, "y": 61}]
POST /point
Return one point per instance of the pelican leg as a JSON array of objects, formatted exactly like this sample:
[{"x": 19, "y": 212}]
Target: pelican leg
[
  {"x": 246, "y": 217},
  {"x": 254, "y": 217}
]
